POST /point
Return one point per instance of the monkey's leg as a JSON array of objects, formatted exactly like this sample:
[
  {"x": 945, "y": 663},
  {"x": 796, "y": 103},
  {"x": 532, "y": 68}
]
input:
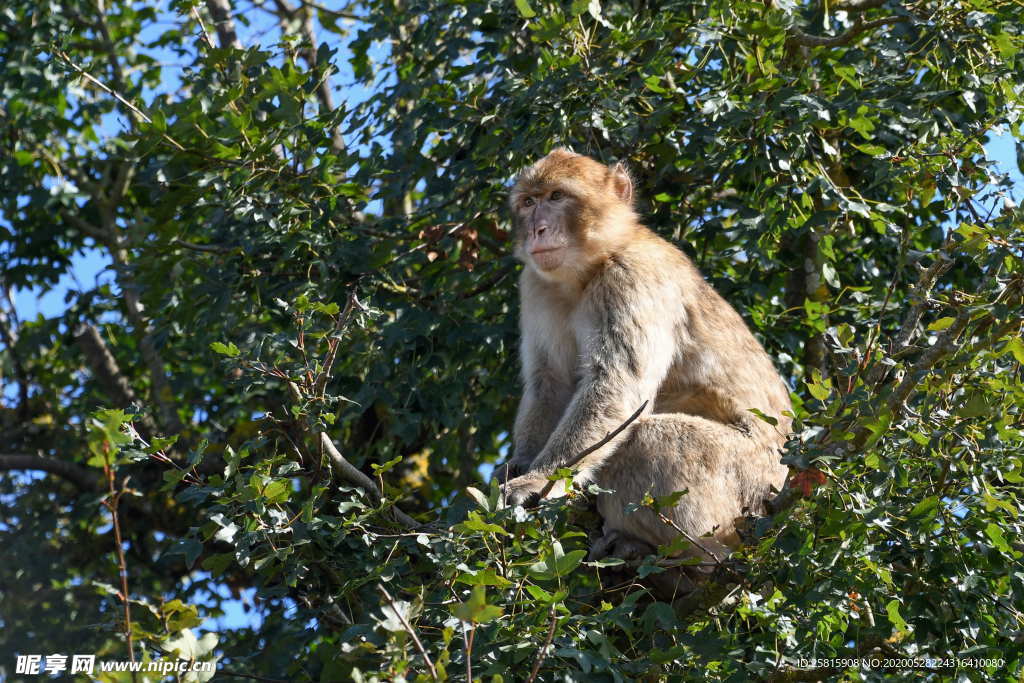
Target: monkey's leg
[
  {"x": 672, "y": 583},
  {"x": 724, "y": 471}
]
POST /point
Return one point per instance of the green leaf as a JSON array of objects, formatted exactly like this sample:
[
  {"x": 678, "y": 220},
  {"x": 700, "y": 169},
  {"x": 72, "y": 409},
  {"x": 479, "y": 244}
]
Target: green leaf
[
  {"x": 892, "y": 609},
  {"x": 995, "y": 534},
  {"x": 277, "y": 491},
  {"x": 941, "y": 324},
  {"x": 476, "y": 610},
  {"x": 386, "y": 467},
  {"x": 475, "y": 523},
  {"x": 484, "y": 577},
  {"x": 525, "y": 11},
  {"x": 1016, "y": 347},
  {"x": 926, "y": 508},
  {"x": 478, "y": 496},
  {"x": 190, "y": 548},
  {"x": 556, "y": 563},
  {"x": 653, "y": 83},
  {"x": 228, "y": 349},
  {"x": 820, "y": 388},
  {"x": 216, "y": 564}
]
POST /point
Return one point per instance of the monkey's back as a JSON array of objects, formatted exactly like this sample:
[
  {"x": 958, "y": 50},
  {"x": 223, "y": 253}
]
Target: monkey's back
[{"x": 720, "y": 370}]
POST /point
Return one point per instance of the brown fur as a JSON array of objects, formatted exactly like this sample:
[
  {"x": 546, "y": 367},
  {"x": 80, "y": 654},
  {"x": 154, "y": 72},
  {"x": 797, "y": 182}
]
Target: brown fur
[{"x": 611, "y": 317}]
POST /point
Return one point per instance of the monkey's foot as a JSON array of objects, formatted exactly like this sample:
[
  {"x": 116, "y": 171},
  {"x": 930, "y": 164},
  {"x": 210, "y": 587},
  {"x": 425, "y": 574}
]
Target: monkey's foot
[
  {"x": 525, "y": 489},
  {"x": 615, "y": 543}
]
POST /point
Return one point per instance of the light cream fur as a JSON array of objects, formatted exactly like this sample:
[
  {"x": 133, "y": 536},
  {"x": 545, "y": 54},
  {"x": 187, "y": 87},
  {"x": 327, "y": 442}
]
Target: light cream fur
[{"x": 624, "y": 318}]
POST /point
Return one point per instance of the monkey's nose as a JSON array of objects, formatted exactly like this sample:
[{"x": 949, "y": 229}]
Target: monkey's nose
[{"x": 540, "y": 230}]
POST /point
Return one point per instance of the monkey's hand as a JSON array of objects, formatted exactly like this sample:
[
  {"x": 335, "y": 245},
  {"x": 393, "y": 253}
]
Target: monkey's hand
[
  {"x": 525, "y": 490},
  {"x": 512, "y": 469}
]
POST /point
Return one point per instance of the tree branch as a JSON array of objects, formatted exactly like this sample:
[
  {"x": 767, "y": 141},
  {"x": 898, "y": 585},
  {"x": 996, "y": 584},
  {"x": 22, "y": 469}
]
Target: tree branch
[
  {"x": 160, "y": 389},
  {"x": 220, "y": 11},
  {"x": 326, "y": 10},
  {"x": 9, "y": 336},
  {"x": 107, "y": 372},
  {"x": 856, "y": 5},
  {"x": 343, "y": 469},
  {"x": 590, "y": 449},
  {"x": 304, "y": 18},
  {"x": 81, "y": 477},
  {"x": 409, "y": 629},
  {"x": 798, "y": 37},
  {"x": 207, "y": 248}
]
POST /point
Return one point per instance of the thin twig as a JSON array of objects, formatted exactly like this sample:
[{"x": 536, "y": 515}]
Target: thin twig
[
  {"x": 116, "y": 95},
  {"x": 544, "y": 650},
  {"x": 587, "y": 451},
  {"x": 338, "y": 13},
  {"x": 202, "y": 27},
  {"x": 409, "y": 629},
  {"x": 112, "y": 503},
  {"x": 206, "y": 248},
  {"x": 856, "y": 5},
  {"x": 99, "y": 84},
  {"x": 690, "y": 537},
  {"x": 467, "y": 642},
  {"x": 320, "y": 386}
]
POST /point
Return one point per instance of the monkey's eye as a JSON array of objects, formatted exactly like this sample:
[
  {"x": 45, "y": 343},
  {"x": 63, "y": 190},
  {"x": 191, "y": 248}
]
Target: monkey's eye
[
  {"x": 528, "y": 201},
  {"x": 556, "y": 195}
]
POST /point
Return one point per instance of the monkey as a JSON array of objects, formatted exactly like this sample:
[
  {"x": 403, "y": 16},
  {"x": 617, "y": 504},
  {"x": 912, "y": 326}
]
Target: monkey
[{"x": 612, "y": 316}]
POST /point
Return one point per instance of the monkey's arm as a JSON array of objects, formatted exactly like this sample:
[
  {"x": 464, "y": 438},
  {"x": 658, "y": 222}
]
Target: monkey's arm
[
  {"x": 627, "y": 350},
  {"x": 543, "y": 402}
]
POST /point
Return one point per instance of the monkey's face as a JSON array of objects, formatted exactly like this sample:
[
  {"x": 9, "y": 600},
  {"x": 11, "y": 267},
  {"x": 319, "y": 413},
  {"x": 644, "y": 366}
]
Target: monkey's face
[
  {"x": 544, "y": 235},
  {"x": 569, "y": 212}
]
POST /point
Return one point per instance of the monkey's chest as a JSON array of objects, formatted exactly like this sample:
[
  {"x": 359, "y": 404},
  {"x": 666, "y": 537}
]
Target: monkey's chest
[
  {"x": 558, "y": 334},
  {"x": 564, "y": 354}
]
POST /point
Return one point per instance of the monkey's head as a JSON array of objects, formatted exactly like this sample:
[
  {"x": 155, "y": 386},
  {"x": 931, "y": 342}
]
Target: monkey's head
[{"x": 570, "y": 212}]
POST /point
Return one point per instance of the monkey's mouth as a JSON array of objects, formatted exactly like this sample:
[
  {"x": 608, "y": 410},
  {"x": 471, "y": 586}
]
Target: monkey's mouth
[{"x": 547, "y": 258}]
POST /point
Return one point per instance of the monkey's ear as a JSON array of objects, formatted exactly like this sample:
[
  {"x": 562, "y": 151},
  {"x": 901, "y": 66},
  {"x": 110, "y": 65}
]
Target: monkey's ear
[{"x": 622, "y": 183}]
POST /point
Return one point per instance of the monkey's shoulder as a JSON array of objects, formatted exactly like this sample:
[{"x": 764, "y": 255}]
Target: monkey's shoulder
[{"x": 648, "y": 262}]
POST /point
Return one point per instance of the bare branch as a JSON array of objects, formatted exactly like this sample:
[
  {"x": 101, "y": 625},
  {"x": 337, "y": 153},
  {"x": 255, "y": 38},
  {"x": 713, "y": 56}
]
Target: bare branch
[
  {"x": 207, "y": 248},
  {"x": 107, "y": 372},
  {"x": 587, "y": 451},
  {"x": 160, "y": 389},
  {"x": 409, "y": 629},
  {"x": 104, "y": 365},
  {"x": 345, "y": 470},
  {"x": 116, "y": 95},
  {"x": 326, "y": 10},
  {"x": 113, "y": 503},
  {"x": 942, "y": 347},
  {"x": 81, "y": 477},
  {"x": 807, "y": 40},
  {"x": 220, "y": 11},
  {"x": 856, "y": 5},
  {"x": 919, "y": 295},
  {"x": 320, "y": 386}
]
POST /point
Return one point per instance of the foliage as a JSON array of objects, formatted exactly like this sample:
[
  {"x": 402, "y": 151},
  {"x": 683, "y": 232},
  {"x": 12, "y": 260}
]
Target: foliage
[{"x": 283, "y": 268}]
